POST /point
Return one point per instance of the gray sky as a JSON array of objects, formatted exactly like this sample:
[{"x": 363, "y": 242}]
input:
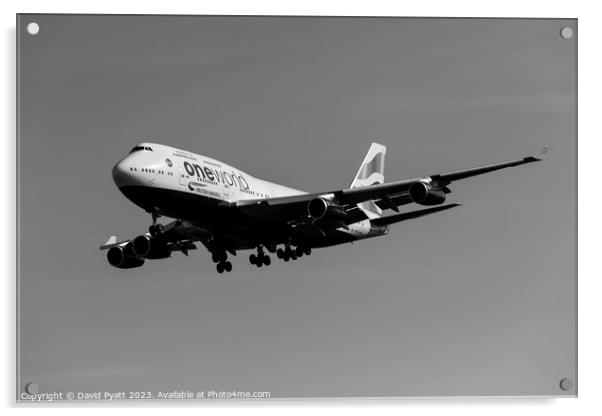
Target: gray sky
[{"x": 478, "y": 300}]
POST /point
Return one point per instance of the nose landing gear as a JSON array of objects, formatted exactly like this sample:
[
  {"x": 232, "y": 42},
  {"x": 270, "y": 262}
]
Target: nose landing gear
[{"x": 156, "y": 228}]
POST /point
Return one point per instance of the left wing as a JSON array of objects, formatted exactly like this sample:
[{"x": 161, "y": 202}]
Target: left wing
[
  {"x": 385, "y": 195},
  {"x": 177, "y": 236}
]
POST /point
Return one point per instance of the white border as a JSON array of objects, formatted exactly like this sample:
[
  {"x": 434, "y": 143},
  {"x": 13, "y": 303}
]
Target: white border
[{"x": 589, "y": 230}]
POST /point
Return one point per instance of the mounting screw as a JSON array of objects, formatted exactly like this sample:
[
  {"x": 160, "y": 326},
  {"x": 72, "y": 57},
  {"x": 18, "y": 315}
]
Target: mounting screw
[
  {"x": 32, "y": 388},
  {"x": 566, "y": 384},
  {"x": 33, "y": 28},
  {"x": 566, "y": 32}
]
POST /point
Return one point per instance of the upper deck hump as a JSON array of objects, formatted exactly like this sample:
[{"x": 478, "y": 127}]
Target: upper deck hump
[{"x": 273, "y": 189}]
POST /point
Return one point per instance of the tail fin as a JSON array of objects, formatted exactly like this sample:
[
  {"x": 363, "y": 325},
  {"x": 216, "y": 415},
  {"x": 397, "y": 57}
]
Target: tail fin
[{"x": 371, "y": 172}]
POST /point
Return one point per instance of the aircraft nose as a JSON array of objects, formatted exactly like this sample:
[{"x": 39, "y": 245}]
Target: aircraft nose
[{"x": 121, "y": 174}]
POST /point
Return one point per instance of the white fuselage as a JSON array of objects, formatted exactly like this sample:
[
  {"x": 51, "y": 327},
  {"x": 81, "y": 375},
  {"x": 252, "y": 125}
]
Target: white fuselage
[
  {"x": 159, "y": 166},
  {"x": 153, "y": 172}
]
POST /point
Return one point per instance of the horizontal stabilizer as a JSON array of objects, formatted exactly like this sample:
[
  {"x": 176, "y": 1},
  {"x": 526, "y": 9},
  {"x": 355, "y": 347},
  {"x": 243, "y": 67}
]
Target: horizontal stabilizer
[{"x": 410, "y": 215}]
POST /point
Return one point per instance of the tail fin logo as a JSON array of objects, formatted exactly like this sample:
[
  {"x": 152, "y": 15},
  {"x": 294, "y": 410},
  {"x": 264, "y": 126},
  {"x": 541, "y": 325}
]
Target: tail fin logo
[
  {"x": 373, "y": 167},
  {"x": 371, "y": 172}
]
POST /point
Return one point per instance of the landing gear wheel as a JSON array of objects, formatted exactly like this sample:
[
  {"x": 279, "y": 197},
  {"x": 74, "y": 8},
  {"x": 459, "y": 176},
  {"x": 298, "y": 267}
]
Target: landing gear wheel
[
  {"x": 155, "y": 229},
  {"x": 218, "y": 257},
  {"x": 307, "y": 251},
  {"x": 288, "y": 253},
  {"x": 223, "y": 266},
  {"x": 280, "y": 253},
  {"x": 260, "y": 259},
  {"x": 299, "y": 252}
]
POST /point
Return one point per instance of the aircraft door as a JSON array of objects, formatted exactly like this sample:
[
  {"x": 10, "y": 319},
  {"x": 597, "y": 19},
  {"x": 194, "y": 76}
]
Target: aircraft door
[{"x": 182, "y": 175}]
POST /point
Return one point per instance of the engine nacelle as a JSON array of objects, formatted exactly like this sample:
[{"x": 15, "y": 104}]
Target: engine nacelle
[
  {"x": 123, "y": 257},
  {"x": 325, "y": 210},
  {"x": 424, "y": 193},
  {"x": 150, "y": 248}
]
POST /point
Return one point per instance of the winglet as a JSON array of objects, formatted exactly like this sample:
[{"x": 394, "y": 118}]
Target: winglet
[
  {"x": 538, "y": 157},
  {"x": 541, "y": 154},
  {"x": 110, "y": 242}
]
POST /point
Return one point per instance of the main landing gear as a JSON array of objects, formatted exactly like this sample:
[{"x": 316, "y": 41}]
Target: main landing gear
[
  {"x": 292, "y": 254},
  {"x": 220, "y": 257},
  {"x": 261, "y": 259},
  {"x": 221, "y": 260}
]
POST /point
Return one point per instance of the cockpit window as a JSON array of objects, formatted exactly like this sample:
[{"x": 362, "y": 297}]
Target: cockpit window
[{"x": 137, "y": 148}]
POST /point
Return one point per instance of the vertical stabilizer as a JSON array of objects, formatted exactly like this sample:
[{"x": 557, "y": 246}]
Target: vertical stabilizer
[{"x": 371, "y": 172}]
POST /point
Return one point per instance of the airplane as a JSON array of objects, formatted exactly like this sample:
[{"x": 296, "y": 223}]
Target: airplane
[{"x": 228, "y": 210}]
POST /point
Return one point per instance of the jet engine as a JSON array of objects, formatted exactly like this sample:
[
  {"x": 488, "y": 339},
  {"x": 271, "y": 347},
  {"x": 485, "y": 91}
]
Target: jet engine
[
  {"x": 322, "y": 209},
  {"x": 123, "y": 257},
  {"x": 150, "y": 247},
  {"x": 424, "y": 193}
]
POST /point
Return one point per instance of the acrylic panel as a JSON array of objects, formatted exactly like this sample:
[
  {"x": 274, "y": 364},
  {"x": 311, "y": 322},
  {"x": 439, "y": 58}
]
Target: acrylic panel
[{"x": 419, "y": 283}]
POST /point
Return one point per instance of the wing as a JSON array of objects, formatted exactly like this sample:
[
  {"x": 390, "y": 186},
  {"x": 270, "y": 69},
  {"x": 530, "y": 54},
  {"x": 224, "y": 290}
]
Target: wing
[
  {"x": 385, "y": 195},
  {"x": 177, "y": 236}
]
